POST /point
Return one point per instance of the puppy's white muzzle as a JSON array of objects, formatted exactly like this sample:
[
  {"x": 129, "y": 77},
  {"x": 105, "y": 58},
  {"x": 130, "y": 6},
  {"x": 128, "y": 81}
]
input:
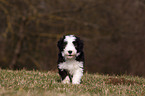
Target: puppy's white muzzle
[{"x": 70, "y": 54}]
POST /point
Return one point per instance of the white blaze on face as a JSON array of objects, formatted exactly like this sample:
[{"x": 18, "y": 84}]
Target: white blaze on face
[{"x": 69, "y": 47}]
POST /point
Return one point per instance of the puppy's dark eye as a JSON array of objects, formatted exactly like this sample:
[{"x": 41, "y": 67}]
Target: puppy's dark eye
[
  {"x": 75, "y": 43},
  {"x": 64, "y": 43}
]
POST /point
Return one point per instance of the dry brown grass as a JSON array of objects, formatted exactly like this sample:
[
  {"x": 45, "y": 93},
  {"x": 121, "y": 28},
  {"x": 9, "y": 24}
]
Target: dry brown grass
[{"x": 118, "y": 81}]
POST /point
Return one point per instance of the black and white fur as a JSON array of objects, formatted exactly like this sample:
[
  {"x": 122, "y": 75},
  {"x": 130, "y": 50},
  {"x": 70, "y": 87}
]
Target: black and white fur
[{"x": 70, "y": 59}]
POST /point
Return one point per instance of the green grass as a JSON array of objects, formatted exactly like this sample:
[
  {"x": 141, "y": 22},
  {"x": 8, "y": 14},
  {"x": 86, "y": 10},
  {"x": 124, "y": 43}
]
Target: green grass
[{"x": 35, "y": 83}]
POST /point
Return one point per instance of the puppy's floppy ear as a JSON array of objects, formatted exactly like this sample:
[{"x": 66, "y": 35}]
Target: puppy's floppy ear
[
  {"x": 80, "y": 44},
  {"x": 60, "y": 43}
]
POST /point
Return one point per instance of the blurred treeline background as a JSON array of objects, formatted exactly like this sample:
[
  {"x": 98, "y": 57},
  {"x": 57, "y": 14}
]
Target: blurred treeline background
[{"x": 113, "y": 32}]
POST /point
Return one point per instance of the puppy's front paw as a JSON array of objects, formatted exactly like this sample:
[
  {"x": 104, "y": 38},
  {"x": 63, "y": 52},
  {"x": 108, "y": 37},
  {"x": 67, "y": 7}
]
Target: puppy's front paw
[{"x": 66, "y": 80}]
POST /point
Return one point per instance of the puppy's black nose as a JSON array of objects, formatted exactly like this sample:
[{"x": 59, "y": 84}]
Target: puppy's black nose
[{"x": 69, "y": 51}]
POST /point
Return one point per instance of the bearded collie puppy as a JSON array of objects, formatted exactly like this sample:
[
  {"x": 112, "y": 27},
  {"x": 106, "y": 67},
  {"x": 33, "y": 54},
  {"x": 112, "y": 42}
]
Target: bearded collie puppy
[{"x": 70, "y": 59}]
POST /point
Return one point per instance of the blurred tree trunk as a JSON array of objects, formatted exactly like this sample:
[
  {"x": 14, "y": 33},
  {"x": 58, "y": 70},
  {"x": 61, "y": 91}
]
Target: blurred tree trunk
[{"x": 19, "y": 44}]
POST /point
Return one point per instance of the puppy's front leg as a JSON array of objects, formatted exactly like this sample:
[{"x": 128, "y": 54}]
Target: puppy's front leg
[{"x": 77, "y": 76}]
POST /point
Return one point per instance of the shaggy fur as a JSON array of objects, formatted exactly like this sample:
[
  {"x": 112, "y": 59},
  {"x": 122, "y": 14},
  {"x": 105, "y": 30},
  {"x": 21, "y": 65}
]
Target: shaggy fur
[{"x": 70, "y": 59}]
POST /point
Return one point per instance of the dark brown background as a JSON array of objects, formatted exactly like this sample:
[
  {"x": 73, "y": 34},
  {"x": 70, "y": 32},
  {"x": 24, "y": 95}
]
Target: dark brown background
[{"x": 113, "y": 32}]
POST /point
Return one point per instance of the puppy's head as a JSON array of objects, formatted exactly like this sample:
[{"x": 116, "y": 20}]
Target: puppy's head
[{"x": 70, "y": 46}]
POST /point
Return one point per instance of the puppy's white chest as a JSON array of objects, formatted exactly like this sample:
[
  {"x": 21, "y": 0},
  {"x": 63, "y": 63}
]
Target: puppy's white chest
[{"x": 71, "y": 66}]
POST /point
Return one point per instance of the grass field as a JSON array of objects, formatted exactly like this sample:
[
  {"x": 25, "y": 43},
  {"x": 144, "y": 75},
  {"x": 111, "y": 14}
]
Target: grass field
[{"x": 36, "y": 83}]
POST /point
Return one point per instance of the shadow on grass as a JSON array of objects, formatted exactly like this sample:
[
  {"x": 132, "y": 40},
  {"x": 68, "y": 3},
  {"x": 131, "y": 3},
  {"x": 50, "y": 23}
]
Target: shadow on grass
[{"x": 58, "y": 80}]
